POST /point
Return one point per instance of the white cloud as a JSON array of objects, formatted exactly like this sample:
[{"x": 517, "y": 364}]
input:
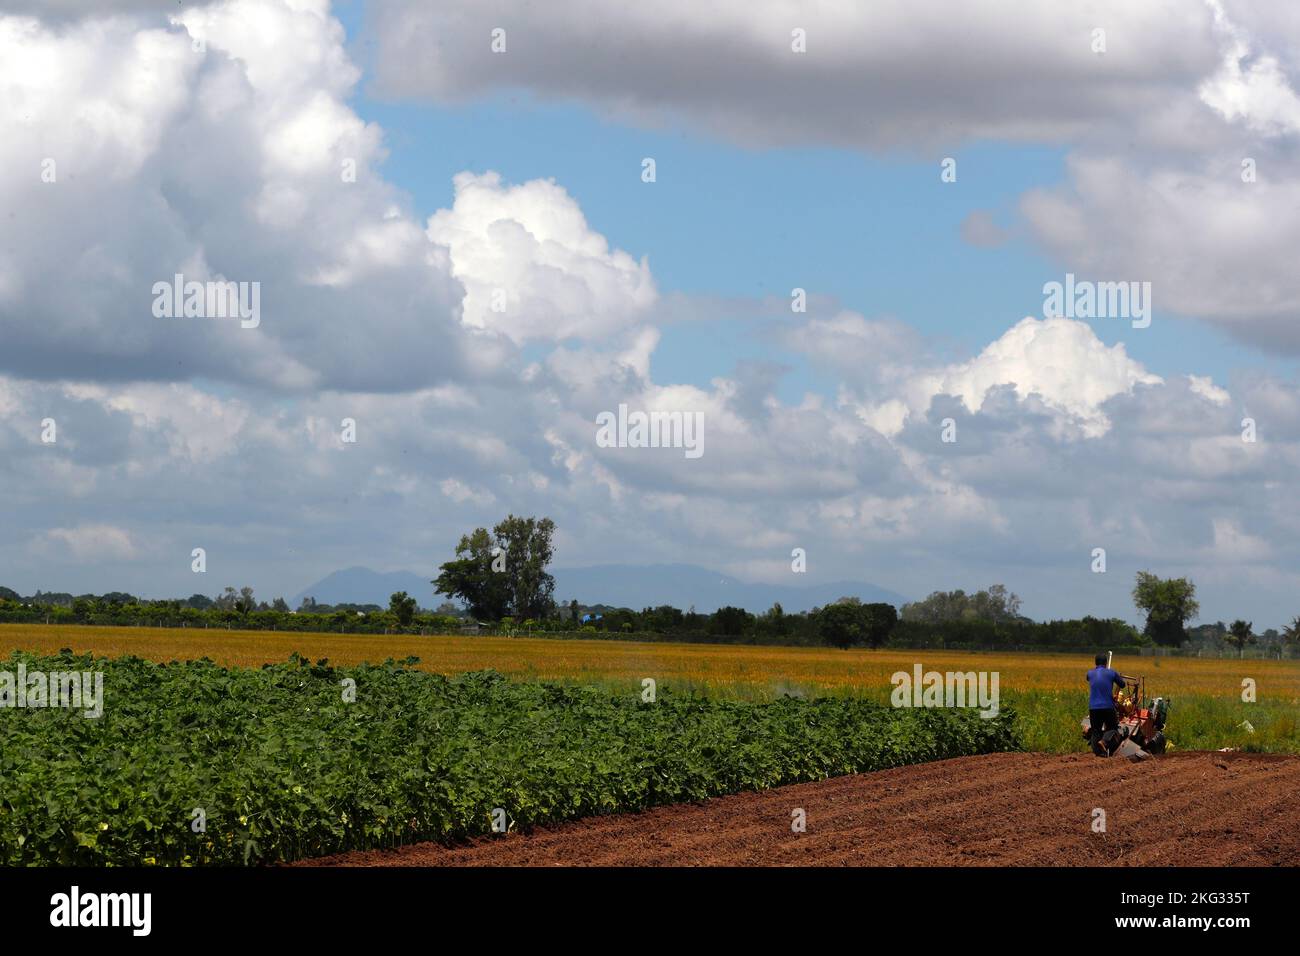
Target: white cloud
[
  {"x": 1204, "y": 386},
  {"x": 1061, "y": 360},
  {"x": 531, "y": 266},
  {"x": 1210, "y": 244},
  {"x": 1260, "y": 94},
  {"x": 236, "y": 160}
]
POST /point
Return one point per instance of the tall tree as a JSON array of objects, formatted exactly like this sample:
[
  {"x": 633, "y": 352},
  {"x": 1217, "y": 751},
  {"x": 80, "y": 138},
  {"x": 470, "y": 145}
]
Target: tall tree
[
  {"x": 878, "y": 622},
  {"x": 503, "y": 573},
  {"x": 1169, "y": 604},
  {"x": 526, "y": 543}
]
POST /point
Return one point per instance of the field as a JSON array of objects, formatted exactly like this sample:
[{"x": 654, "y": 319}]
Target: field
[
  {"x": 1189, "y": 809},
  {"x": 1047, "y": 691},
  {"x": 557, "y": 738},
  {"x": 193, "y": 764}
]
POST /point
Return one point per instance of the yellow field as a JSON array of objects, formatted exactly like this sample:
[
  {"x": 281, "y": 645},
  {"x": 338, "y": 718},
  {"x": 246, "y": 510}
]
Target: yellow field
[{"x": 734, "y": 670}]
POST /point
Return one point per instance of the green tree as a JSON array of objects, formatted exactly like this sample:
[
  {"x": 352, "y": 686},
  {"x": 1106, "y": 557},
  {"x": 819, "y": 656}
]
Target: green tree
[
  {"x": 471, "y": 578},
  {"x": 848, "y": 622},
  {"x": 526, "y": 547},
  {"x": 504, "y": 572},
  {"x": 878, "y": 622},
  {"x": 1240, "y": 633},
  {"x": 402, "y": 605},
  {"x": 841, "y": 624},
  {"x": 996, "y": 604},
  {"x": 730, "y": 621},
  {"x": 1169, "y": 604}
]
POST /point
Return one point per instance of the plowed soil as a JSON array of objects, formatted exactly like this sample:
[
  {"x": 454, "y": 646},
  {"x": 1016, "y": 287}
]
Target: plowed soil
[{"x": 1185, "y": 809}]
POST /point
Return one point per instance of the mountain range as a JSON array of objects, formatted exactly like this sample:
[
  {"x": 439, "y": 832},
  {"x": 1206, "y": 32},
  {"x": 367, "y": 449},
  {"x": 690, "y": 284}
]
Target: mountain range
[{"x": 620, "y": 585}]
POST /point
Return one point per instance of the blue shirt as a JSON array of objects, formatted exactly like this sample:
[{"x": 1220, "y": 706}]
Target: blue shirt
[{"x": 1101, "y": 680}]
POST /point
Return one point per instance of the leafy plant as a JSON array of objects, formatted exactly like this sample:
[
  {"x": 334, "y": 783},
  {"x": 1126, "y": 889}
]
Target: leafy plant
[{"x": 283, "y": 765}]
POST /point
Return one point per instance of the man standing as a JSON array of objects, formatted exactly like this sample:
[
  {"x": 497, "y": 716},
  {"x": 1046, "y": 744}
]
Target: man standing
[{"x": 1101, "y": 703}]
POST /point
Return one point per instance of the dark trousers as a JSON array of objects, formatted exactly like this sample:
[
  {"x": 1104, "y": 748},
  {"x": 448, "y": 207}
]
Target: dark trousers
[{"x": 1100, "y": 721}]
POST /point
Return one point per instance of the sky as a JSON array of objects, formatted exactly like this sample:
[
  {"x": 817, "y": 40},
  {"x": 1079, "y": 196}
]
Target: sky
[{"x": 446, "y": 212}]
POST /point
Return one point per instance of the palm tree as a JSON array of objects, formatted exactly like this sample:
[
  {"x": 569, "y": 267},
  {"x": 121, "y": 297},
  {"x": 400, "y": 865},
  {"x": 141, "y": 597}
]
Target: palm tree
[
  {"x": 1240, "y": 634},
  {"x": 1291, "y": 633}
]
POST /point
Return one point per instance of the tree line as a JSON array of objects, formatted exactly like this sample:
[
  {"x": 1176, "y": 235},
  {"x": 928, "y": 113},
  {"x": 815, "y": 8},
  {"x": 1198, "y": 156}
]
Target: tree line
[
  {"x": 236, "y": 609},
  {"x": 499, "y": 582}
]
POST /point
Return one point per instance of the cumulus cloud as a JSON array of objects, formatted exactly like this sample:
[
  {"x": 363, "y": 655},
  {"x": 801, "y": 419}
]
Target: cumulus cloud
[
  {"x": 531, "y": 266},
  {"x": 202, "y": 148},
  {"x": 1060, "y": 360},
  {"x": 891, "y": 376},
  {"x": 146, "y": 147}
]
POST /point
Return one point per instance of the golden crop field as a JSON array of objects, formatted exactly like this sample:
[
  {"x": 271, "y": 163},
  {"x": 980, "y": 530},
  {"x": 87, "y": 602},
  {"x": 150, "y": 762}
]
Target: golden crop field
[{"x": 732, "y": 670}]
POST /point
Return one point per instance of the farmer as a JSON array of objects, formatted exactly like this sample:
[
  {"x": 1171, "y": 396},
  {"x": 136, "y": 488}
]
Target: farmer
[{"x": 1101, "y": 703}]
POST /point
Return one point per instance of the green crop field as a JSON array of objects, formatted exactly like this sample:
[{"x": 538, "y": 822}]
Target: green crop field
[{"x": 277, "y": 763}]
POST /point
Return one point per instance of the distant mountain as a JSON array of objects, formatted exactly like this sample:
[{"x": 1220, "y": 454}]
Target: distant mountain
[
  {"x": 364, "y": 586},
  {"x": 621, "y": 585}
]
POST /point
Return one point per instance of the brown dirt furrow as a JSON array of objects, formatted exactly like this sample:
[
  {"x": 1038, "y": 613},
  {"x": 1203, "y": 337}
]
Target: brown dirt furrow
[{"x": 1184, "y": 809}]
